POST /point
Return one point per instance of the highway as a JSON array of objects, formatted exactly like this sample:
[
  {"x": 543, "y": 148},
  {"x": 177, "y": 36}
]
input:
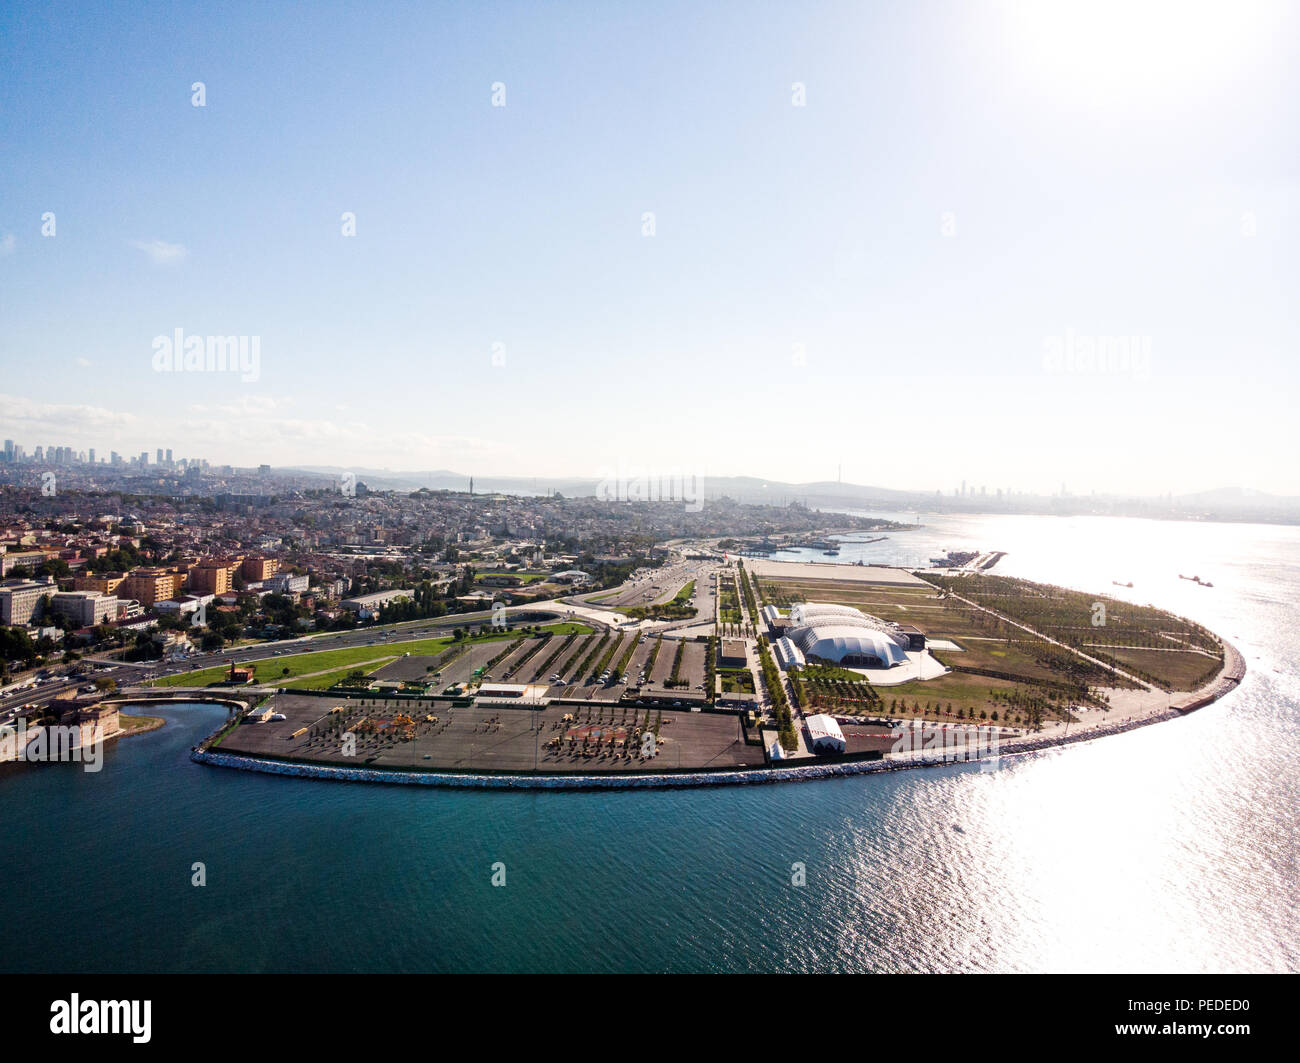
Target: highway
[{"x": 661, "y": 585}]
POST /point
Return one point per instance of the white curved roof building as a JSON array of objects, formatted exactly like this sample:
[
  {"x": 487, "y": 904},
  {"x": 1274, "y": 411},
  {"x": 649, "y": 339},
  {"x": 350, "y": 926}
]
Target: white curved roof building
[
  {"x": 847, "y": 636},
  {"x": 824, "y": 733}
]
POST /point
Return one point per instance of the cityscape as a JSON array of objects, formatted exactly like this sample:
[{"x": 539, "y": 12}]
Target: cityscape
[{"x": 733, "y": 489}]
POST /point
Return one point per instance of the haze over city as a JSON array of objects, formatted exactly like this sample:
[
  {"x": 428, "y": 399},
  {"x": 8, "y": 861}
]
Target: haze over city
[{"x": 1025, "y": 246}]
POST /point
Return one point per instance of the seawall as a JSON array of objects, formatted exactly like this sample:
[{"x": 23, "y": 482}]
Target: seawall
[{"x": 1234, "y": 670}]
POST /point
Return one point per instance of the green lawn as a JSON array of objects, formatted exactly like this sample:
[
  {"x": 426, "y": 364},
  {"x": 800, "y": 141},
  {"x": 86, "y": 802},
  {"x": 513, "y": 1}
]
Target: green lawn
[
  {"x": 272, "y": 670},
  {"x": 1181, "y": 669},
  {"x": 737, "y": 681},
  {"x": 138, "y": 723}
]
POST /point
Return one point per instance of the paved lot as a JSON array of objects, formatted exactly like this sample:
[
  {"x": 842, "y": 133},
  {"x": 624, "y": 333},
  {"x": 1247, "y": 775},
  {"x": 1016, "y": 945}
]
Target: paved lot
[
  {"x": 500, "y": 739},
  {"x": 799, "y": 570},
  {"x": 409, "y": 668},
  {"x": 664, "y": 662}
]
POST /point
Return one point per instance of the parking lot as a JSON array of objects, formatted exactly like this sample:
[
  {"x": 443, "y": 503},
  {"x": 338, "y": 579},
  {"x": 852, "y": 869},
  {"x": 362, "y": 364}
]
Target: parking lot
[{"x": 401, "y": 734}]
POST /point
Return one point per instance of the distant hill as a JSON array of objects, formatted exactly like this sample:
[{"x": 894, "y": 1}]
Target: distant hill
[{"x": 1222, "y": 503}]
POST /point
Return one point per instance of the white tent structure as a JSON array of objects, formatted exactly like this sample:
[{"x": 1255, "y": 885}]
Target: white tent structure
[
  {"x": 848, "y": 636},
  {"x": 824, "y": 734}
]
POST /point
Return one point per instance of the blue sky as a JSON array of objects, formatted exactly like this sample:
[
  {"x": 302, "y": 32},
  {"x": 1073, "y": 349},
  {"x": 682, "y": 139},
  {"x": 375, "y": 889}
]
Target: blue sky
[{"x": 966, "y": 184}]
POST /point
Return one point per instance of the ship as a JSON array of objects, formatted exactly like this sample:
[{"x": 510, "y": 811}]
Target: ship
[
  {"x": 1197, "y": 580},
  {"x": 1116, "y": 583}
]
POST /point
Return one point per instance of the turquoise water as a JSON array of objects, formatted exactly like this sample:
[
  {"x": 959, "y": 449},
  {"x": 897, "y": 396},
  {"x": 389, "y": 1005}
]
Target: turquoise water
[{"x": 1170, "y": 848}]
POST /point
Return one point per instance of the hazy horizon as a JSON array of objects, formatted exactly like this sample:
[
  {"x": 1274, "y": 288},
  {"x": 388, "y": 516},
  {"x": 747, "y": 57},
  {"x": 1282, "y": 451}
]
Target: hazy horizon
[{"x": 1016, "y": 245}]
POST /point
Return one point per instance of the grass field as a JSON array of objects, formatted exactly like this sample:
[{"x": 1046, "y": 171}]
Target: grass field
[
  {"x": 728, "y": 601},
  {"x": 736, "y": 681},
  {"x": 336, "y": 664},
  {"x": 1039, "y": 679},
  {"x": 966, "y": 694},
  {"x": 1098, "y": 624},
  {"x": 921, "y": 606},
  {"x": 138, "y": 723},
  {"x": 1180, "y": 669}
]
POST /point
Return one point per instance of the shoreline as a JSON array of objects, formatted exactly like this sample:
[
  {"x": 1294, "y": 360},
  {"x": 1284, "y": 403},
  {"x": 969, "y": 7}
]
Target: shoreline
[
  {"x": 155, "y": 723},
  {"x": 1234, "y": 670}
]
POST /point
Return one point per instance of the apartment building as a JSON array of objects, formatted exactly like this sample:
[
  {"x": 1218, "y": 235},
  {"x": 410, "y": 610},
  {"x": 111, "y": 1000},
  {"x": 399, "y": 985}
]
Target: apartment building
[
  {"x": 212, "y": 577},
  {"x": 20, "y": 601},
  {"x": 85, "y": 608},
  {"x": 287, "y": 583},
  {"x": 256, "y": 569},
  {"x": 149, "y": 586},
  {"x": 13, "y": 560},
  {"x": 104, "y": 582}
]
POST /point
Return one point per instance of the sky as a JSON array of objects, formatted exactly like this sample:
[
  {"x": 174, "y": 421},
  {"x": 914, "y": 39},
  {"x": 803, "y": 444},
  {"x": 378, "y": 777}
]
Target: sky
[{"x": 908, "y": 244}]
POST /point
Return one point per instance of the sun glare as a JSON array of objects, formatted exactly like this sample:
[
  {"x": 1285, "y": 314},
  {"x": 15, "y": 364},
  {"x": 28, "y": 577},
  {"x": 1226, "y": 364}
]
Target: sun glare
[{"x": 1126, "y": 52}]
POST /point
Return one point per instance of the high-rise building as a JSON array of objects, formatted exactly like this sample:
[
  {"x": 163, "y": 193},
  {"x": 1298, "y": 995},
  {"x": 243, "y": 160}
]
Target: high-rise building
[
  {"x": 92, "y": 455},
  {"x": 169, "y": 456}
]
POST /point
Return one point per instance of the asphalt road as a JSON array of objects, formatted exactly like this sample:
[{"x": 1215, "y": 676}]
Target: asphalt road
[{"x": 663, "y": 583}]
